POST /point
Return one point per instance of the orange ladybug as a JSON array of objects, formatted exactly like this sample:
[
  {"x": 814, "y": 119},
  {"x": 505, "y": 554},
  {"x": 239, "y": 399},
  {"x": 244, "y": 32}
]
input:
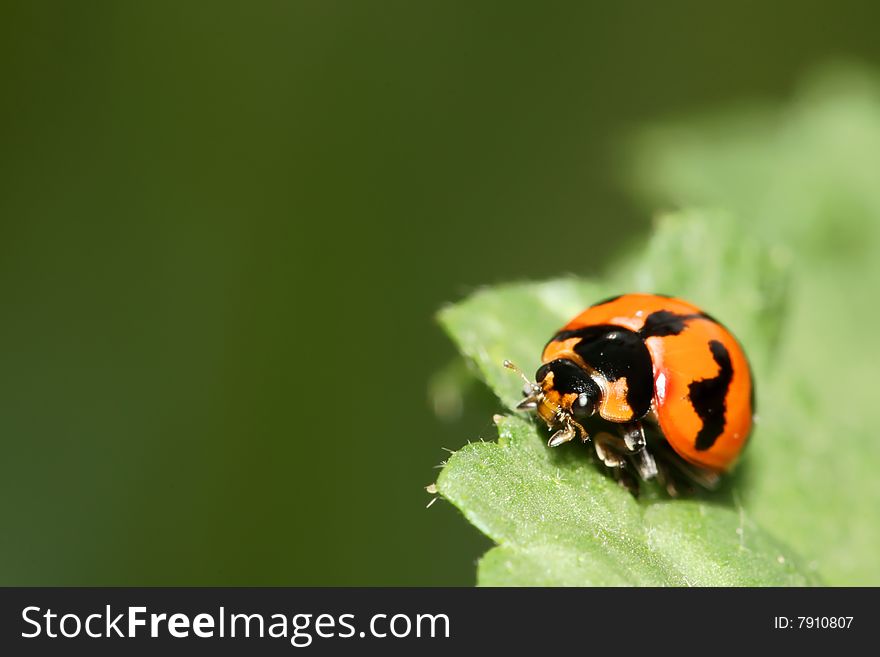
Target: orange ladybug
[{"x": 647, "y": 359}]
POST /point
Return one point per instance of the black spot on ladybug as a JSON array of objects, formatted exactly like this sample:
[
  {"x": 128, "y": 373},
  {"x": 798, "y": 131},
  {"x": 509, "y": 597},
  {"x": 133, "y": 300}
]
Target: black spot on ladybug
[
  {"x": 617, "y": 353},
  {"x": 709, "y": 396},
  {"x": 664, "y": 323}
]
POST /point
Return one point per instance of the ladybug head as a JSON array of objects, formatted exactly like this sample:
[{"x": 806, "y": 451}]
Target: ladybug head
[{"x": 563, "y": 395}]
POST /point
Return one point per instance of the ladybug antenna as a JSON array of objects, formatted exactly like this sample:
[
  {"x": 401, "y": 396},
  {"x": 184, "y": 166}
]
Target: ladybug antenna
[
  {"x": 509, "y": 365},
  {"x": 531, "y": 390}
]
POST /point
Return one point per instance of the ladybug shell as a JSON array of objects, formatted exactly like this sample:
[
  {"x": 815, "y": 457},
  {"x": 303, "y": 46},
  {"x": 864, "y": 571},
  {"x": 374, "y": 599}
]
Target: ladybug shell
[{"x": 697, "y": 382}]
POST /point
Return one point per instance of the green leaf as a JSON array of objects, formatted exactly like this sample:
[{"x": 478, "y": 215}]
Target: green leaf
[
  {"x": 807, "y": 175},
  {"x": 560, "y": 520}
]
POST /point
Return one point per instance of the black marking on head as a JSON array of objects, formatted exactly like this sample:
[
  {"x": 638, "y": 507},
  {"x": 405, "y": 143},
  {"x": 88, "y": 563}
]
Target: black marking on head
[
  {"x": 568, "y": 377},
  {"x": 709, "y": 398},
  {"x": 663, "y": 323},
  {"x": 604, "y": 301},
  {"x": 616, "y": 352}
]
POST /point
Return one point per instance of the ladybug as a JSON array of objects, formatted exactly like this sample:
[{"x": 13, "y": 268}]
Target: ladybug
[{"x": 640, "y": 360}]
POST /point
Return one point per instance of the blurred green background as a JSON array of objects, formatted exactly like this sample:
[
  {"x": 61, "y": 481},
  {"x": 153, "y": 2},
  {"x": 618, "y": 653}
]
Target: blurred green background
[{"x": 226, "y": 228}]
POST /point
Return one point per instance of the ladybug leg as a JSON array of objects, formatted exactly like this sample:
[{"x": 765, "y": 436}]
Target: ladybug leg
[
  {"x": 530, "y": 403},
  {"x": 563, "y": 435},
  {"x": 610, "y": 449},
  {"x": 615, "y": 452},
  {"x": 633, "y": 436},
  {"x": 644, "y": 463}
]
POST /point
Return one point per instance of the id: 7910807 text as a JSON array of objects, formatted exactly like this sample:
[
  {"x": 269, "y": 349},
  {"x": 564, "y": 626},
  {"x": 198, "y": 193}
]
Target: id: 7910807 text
[{"x": 812, "y": 622}]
